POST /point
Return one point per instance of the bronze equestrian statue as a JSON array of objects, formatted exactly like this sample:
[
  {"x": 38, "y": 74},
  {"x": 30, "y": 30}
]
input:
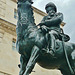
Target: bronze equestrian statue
[{"x": 48, "y": 45}]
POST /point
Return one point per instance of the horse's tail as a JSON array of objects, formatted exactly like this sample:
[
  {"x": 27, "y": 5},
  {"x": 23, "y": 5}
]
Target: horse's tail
[{"x": 25, "y": 17}]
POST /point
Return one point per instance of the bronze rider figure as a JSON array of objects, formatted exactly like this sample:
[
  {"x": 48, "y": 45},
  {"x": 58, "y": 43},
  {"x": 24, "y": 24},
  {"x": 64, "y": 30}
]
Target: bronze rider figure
[{"x": 51, "y": 24}]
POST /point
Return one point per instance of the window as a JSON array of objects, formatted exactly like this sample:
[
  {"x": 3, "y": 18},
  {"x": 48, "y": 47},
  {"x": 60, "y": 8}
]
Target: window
[
  {"x": 15, "y": 14},
  {"x": 1, "y": 35},
  {"x": 14, "y": 44}
]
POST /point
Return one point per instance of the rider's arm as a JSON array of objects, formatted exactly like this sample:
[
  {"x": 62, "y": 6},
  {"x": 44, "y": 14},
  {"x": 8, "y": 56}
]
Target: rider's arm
[
  {"x": 55, "y": 20},
  {"x": 43, "y": 21}
]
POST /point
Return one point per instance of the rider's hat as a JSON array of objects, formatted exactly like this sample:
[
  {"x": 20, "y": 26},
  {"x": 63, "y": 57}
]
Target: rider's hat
[{"x": 50, "y": 4}]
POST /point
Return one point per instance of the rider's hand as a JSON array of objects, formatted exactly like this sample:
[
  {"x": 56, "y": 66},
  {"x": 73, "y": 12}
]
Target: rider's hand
[
  {"x": 44, "y": 28},
  {"x": 40, "y": 24}
]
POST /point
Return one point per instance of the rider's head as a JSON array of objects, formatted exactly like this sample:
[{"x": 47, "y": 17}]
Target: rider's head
[{"x": 50, "y": 7}]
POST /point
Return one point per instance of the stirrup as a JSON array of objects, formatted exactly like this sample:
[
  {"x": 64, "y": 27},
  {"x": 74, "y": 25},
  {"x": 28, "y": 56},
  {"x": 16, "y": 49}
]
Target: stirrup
[{"x": 52, "y": 53}]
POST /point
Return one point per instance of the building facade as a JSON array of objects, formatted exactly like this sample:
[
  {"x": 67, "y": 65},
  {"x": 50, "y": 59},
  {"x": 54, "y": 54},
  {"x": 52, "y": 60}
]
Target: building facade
[{"x": 9, "y": 58}]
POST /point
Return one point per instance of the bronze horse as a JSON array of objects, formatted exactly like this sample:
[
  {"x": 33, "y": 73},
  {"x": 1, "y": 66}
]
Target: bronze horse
[{"x": 31, "y": 41}]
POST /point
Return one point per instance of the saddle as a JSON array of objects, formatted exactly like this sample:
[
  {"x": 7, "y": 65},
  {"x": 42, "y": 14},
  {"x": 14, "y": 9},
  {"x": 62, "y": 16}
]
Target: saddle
[{"x": 61, "y": 34}]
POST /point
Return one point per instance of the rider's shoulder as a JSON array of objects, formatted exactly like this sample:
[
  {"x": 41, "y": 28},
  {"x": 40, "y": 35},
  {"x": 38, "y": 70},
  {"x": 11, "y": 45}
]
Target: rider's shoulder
[
  {"x": 59, "y": 13},
  {"x": 45, "y": 17}
]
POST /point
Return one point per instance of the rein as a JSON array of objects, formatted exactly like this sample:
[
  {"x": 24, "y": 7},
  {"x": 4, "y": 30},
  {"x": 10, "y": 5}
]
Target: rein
[{"x": 66, "y": 56}]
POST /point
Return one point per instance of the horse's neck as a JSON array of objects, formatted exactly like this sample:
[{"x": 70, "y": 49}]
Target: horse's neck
[{"x": 25, "y": 14}]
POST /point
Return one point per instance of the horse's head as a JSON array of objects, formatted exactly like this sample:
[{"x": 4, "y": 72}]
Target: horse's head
[{"x": 25, "y": 12}]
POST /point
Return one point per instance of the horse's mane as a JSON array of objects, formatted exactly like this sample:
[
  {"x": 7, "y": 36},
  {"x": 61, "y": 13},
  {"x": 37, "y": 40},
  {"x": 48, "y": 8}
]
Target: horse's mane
[{"x": 26, "y": 21}]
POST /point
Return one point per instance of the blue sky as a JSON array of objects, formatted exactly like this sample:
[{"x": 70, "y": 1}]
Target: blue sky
[{"x": 67, "y": 7}]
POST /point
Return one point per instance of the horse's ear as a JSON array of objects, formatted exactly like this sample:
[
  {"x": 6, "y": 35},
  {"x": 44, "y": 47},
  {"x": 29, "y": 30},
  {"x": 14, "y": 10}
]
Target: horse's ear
[
  {"x": 19, "y": 65},
  {"x": 32, "y": 2}
]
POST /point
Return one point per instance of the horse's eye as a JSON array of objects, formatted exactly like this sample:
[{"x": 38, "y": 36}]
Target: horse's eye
[{"x": 19, "y": 5}]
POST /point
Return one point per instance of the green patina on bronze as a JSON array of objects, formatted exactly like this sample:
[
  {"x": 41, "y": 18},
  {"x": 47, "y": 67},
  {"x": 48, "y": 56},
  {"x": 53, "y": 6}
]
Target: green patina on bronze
[{"x": 48, "y": 45}]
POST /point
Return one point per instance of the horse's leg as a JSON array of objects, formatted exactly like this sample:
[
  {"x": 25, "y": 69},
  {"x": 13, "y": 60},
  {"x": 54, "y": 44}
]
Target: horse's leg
[
  {"x": 32, "y": 60},
  {"x": 65, "y": 70},
  {"x": 23, "y": 63}
]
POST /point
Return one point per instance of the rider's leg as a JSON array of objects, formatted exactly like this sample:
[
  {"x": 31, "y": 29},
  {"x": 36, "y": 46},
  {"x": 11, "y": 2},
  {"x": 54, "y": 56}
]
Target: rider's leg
[
  {"x": 32, "y": 60},
  {"x": 51, "y": 41}
]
